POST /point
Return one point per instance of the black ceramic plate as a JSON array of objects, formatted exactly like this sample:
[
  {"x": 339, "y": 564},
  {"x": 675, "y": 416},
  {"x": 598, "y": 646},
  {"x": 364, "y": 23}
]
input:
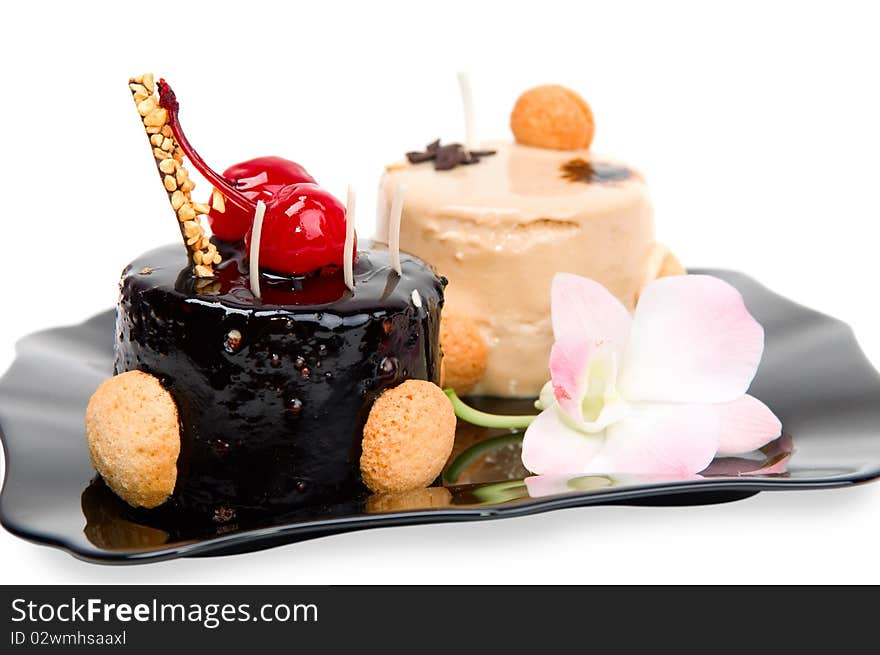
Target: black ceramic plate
[{"x": 814, "y": 376}]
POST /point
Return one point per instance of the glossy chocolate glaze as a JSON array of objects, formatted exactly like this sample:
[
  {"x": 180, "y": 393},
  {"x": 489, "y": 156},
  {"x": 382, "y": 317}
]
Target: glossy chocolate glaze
[{"x": 273, "y": 393}]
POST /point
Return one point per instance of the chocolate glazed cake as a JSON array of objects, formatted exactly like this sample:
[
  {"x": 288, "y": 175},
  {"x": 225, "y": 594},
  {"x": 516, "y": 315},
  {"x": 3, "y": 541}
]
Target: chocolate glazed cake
[{"x": 272, "y": 394}]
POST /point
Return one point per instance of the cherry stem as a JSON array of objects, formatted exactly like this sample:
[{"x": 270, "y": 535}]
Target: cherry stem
[{"x": 168, "y": 100}]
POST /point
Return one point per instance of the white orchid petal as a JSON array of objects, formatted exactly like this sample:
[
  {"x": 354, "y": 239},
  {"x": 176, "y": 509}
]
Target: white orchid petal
[
  {"x": 745, "y": 424},
  {"x": 551, "y": 447},
  {"x": 584, "y": 309},
  {"x": 674, "y": 440},
  {"x": 692, "y": 341}
]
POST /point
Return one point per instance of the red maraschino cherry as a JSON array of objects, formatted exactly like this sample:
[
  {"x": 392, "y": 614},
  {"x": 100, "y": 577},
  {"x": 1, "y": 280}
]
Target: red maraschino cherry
[
  {"x": 303, "y": 231},
  {"x": 303, "y": 227},
  {"x": 257, "y": 179}
]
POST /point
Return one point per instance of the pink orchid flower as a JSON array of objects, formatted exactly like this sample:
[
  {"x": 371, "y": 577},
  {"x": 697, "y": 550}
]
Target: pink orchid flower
[{"x": 661, "y": 392}]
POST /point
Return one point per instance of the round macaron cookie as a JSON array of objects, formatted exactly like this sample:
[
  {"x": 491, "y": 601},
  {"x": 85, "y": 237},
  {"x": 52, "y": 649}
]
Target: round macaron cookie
[
  {"x": 407, "y": 438},
  {"x": 465, "y": 353},
  {"x": 133, "y": 434},
  {"x": 552, "y": 116}
]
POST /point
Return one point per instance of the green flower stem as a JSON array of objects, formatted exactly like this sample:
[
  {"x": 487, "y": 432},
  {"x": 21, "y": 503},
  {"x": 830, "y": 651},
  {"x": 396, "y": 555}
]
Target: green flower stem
[{"x": 484, "y": 419}]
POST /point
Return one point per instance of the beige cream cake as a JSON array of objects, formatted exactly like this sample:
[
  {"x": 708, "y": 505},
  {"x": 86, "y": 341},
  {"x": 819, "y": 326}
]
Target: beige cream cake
[{"x": 501, "y": 227}]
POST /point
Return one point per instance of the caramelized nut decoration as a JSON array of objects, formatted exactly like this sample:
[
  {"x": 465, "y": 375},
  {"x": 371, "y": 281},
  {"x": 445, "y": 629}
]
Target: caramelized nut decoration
[{"x": 175, "y": 177}]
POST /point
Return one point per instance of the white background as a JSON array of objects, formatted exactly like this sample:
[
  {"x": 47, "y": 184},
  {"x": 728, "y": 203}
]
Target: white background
[{"x": 757, "y": 125}]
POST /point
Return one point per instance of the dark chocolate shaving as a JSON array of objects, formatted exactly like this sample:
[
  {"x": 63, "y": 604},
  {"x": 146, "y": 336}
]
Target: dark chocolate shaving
[
  {"x": 447, "y": 157},
  {"x": 430, "y": 153}
]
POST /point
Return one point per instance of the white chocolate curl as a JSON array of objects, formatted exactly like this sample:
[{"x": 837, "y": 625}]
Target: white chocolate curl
[
  {"x": 394, "y": 227},
  {"x": 256, "y": 235},
  {"x": 467, "y": 102},
  {"x": 348, "y": 253}
]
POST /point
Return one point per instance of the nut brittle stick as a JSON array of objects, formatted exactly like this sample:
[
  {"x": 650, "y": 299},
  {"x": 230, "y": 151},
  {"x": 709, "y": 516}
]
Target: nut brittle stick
[{"x": 175, "y": 177}]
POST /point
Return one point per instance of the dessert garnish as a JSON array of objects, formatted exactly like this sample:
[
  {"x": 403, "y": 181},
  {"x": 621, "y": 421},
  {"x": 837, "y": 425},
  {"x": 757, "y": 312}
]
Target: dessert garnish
[
  {"x": 258, "y": 179},
  {"x": 581, "y": 170},
  {"x": 554, "y": 117},
  {"x": 303, "y": 226},
  {"x": 467, "y": 105},
  {"x": 133, "y": 434},
  {"x": 303, "y": 231},
  {"x": 465, "y": 353},
  {"x": 394, "y": 226},
  {"x": 446, "y": 157},
  {"x": 175, "y": 178},
  {"x": 407, "y": 438},
  {"x": 661, "y": 393},
  {"x": 254, "y": 248},
  {"x": 348, "y": 249}
]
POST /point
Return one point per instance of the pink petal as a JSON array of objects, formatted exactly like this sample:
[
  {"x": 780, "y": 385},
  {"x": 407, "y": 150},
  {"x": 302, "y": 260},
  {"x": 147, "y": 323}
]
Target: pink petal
[
  {"x": 569, "y": 364},
  {"x": 745, "y": 425},
  {"x": 673, "y": 440},
  {"x": 551, "y": 447},
  {"x": 584, "y": 309},
  {"x": 692, "y": 341}
]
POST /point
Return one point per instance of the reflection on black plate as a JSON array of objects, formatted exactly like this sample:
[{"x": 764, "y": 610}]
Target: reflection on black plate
[{"x": 814, "y": 376}]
